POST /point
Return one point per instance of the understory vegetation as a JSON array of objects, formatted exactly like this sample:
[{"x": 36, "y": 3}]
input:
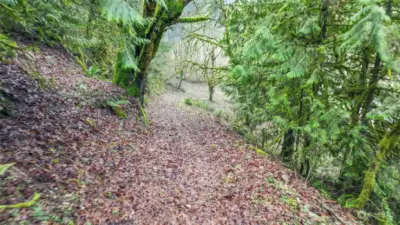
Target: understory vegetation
[
  {"x": 323, "y": 78},
  {"x": 314, "y": 83}
]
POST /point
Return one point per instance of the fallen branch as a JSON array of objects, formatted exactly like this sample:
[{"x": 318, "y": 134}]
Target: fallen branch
[
  {"x": 332, "y": 213},
  {"x": 27, "y": 204}
]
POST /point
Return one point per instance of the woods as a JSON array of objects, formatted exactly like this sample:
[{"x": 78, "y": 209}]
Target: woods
[
  {"x": 326, "y": 76},
  {"x": 313, "y": 83}
]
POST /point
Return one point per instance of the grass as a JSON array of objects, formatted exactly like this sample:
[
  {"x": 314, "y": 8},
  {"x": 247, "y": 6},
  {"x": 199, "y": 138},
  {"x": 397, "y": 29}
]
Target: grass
[{"x": 201, "y": 104}]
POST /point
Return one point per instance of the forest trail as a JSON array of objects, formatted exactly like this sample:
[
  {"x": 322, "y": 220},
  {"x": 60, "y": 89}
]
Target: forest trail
[
  {"x": 189, "y": 169},
  {"x": 183, "y": 168}
]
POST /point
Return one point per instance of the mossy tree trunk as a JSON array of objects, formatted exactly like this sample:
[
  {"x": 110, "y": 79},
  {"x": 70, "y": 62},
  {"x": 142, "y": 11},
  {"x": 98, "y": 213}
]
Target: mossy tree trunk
[
  {"x": 391, "y": 137},
  {"x": 211, "y": 92},
  {"x": 161, "y": 19},
  {"x": 288, "y": 146},
  {"x": 212, "y": 82}
]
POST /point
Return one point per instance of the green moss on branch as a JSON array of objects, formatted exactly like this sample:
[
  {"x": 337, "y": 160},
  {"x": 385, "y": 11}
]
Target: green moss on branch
[
  {"x": 27, "y": 204},
  {"x": 193, "y": 19}
]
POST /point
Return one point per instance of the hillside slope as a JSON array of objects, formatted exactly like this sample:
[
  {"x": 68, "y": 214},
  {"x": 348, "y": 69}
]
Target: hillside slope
[{"x": 89, "y": 165}]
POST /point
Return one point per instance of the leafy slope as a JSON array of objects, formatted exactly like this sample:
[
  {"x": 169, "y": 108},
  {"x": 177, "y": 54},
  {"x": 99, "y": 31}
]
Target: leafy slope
[{"x": 184, "y": 168}]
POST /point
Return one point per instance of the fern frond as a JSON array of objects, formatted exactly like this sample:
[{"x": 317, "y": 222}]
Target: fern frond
[
  {"x": 121, "y": 11},
  {"x": 9, "y": 2},
  {"x": 127, "y": 56}
]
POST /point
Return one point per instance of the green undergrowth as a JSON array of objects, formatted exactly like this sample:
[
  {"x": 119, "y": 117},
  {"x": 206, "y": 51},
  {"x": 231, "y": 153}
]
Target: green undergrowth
[
  {"x": 259, "y": 151},
  {"x": 117, "y": 107},
  {"x": 203, "y": 104},
  {"x": 34, "y": 206}
]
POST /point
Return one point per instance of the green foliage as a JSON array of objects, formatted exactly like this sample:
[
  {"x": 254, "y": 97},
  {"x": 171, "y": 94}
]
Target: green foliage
[
  {"x": 4, "y": 168},
  {"x": 144, "y": 116},
  {"x": 193, "y": 19},
  {"x": 27, "y": 204},
  {"x": 325, "y": 75},
  {"x": 117, "y": 108},
  {"x": 79, "y": 27},
  {"x": 41, "y": 215},
  {"x": 124, "y": 11},
  {"x": 93, "y": 70},
  {"x": 200, "y": 103},
  {"x": 188, "y": 101},
  {"x": 7, "y": 48}
]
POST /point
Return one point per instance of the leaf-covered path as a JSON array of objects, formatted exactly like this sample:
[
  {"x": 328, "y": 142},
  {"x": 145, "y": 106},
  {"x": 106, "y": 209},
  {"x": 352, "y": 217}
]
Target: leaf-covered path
[
  {"x": 188, "y": 169},
  {"x": 91, "y": 166}
]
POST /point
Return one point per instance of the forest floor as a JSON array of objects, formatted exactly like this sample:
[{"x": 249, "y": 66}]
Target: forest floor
[{"x": 92, "y": 167}]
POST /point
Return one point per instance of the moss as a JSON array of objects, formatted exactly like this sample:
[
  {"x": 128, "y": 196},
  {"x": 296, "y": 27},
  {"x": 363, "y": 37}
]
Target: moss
[
  {"x": 118, "y": 111},
  {"x": 121, "y": 78},
  {"x": 293, "y": 204},
  {"x": 370, "y": 176},
  {"x": 258, "y": 151},
  {"x": 144, "y": 115},
  {"x": 261, "y": 152},
  {"x": 80, "y": 60},
  {"x": 175, "y": 6},
  {"x": 193, "y": 19},
  {"x": 90, "y": 122}
]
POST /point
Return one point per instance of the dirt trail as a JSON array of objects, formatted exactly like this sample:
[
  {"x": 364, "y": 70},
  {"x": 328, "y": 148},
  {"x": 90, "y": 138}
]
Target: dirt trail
[
  {"x": 91, "y": 166},
  {"x": 188, "y": 169}
]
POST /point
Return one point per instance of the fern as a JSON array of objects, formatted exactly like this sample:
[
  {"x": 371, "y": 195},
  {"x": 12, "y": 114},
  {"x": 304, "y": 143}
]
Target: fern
[
  {"x": 7, "y": 47},
  {"x": 122, "y": 11}
]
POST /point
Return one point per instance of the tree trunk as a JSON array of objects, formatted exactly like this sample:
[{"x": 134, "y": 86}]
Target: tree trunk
[
  {"x": 287, "y": 146},
  {"x": 180, "y": 79},
  {"x": 211, "y": 84},
  {"x": 371, "y": 88},
  {"x": 305, "y": 164},
  {"x": 383, "y": 152},
  {"x": 263, "y": 139},
  {"x": 211, "y": 92},
  {"x": 362, "y": 86},
  {"x": 161, "y": 19}
]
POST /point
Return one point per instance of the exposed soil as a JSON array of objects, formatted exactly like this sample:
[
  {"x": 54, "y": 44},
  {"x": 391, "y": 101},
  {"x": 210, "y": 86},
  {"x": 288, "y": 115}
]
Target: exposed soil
[{"x": 91, "y": 166}]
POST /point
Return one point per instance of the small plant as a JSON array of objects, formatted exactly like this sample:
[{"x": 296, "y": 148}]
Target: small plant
[
  {"x": 93, "y": 71},
  {"x": 188, "y": 101},
  {"x": 44, "y": 216},
  {"x": 115, "y": 212},
  {"x": 117, "y": 108},
  {"x": 291, "y": 202},
  {"x": 271, "y": 180},
  {"x": 144, "y": 114},
  {"x": 218, "y": 113},
  {"x": 199, "y": 103},
  {"x": 5, "y": 167},
  {"x": 90, "y": 122},
  {"x": 259, "y": 151}
]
